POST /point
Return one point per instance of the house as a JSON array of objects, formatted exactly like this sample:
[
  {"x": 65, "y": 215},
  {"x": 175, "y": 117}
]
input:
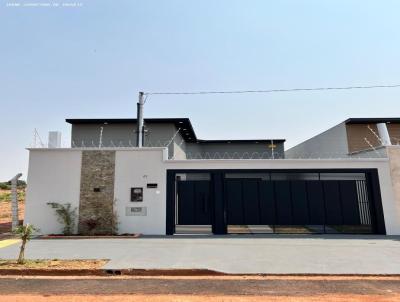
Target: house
[
  {"x": 355, "y": 137},
  {"x": 176, "y": 134},
  {"x": 177, "y": 183}
]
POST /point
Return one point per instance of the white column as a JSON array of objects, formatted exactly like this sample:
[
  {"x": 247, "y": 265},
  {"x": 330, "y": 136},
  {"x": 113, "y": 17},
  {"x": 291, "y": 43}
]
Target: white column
[
  {"x": 384, "y": 134},
  {"x": 14, "y": 201}
]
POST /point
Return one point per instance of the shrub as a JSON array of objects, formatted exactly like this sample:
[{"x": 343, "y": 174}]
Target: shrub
[
  {"x": 5, "y": 186},
  {"x": 21, "y": 184},
  {"x": 100, "y": 220},
  {"x": 91, "y": 224},
  {"x": 66, "y": 216}
]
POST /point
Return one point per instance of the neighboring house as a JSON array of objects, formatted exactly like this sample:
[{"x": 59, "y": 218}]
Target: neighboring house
[
  {"x": 176, "y": 134},
  {"x": 177, "y": 183},
  {"x": 355, "y": 137}
]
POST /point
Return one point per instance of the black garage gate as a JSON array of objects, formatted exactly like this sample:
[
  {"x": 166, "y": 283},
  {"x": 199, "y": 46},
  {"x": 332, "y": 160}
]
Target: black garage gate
[{"x": 275, "y": 201}]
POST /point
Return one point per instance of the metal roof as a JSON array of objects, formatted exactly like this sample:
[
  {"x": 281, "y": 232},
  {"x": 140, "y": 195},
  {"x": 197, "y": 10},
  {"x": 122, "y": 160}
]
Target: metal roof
[{"x": 184, "y": 124}]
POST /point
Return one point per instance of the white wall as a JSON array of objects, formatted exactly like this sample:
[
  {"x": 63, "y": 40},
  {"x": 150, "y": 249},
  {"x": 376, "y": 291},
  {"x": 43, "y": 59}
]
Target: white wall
[
  {"x": 53, "y": 176},
  {"x": 136, "y": 169}
]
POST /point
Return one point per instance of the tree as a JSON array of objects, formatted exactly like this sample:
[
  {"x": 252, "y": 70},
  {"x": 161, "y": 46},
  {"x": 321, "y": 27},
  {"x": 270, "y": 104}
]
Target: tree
[{"x": 25, "y": 232}]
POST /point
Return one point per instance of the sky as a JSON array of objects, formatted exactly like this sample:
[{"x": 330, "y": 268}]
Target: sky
[{"x": 91, "y": 60}]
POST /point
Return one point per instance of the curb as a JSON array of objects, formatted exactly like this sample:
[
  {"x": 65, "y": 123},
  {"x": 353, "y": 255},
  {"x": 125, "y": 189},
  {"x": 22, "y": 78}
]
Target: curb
[
  {"x": 88, "y": 237},
  {"x": 162, "y": 272}
]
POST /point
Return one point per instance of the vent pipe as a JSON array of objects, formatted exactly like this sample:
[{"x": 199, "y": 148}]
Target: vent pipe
[
  {"x": 384, "y": 134},
  {"x": 139, "y": 122}
]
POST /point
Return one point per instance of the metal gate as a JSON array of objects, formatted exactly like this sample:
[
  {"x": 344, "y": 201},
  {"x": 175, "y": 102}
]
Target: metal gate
[
  {"x": 275, "y": 201},
  {"x": 194, "y": 206},
  {"x": 298, "y": 206}
]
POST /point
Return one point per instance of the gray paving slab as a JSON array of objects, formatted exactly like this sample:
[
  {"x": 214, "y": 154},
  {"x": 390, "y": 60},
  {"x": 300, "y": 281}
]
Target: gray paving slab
[{"x": 275, "y": 254}]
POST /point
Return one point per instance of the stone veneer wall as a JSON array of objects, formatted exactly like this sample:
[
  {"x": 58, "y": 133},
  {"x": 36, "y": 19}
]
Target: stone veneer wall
[
  {"x": 96, "y": 211},
  {"x": 394, "y": 161}
]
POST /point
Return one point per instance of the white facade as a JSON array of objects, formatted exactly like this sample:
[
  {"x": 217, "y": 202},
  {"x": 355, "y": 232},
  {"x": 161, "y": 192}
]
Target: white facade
[
  {"x": 54, "y": 175},
  {"x": 136, "y": 169}
]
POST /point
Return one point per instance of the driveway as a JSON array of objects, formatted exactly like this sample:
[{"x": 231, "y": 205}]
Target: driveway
[{"x": 241, "y": 254}]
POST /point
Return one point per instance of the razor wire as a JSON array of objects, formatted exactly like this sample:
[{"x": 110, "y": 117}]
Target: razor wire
[{"x": 373, "y": 152}]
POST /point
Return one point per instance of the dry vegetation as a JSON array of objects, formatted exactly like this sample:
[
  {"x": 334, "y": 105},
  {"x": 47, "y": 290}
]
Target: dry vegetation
[{"x": 53, "y": 264}]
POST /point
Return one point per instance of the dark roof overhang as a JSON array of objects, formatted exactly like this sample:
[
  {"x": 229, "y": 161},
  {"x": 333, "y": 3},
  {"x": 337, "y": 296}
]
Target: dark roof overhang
[
  {"x": 184, "y": 124},
  {"x": 372, "y": 120}
]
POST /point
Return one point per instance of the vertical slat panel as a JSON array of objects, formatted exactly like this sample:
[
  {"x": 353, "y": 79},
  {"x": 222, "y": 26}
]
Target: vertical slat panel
[
  {"x": 283, "y": 203},
  {"x": 349, "y": 197},
  {"x": 202, "y": 199},
  {"x": 333, "y": 209},
  {"x": 363, "y": 202},
  {"x": 366, "y": 203},
  {"x": 250, "y": 201},
  {"x": 186, "y": 203},
  {"x": 315, "y": 195},
  {"x": 267, "y": 203},
  {"x": 233, "y": 194},
  {"x": 171, "y": 204},
  {"x": 219, "y": 223},
  {"x": 299, "y": 202}
]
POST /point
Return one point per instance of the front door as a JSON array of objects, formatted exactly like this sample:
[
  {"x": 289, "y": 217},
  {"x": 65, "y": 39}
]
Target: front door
[{"x": 194, "y": 207}]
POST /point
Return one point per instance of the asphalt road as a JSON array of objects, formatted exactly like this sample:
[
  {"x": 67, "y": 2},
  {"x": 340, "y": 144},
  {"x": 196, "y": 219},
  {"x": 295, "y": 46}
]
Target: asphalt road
[{"x": 214, "y": 286}]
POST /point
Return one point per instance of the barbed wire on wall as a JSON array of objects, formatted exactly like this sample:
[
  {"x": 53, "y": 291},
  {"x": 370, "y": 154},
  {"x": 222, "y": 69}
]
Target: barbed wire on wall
[
  {"x": 372, "y": 152},
  {"x": 377, "y": 153}
]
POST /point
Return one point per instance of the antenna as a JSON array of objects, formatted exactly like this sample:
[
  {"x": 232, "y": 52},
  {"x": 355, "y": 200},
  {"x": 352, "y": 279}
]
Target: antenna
[{"x": 36, "y": 137}]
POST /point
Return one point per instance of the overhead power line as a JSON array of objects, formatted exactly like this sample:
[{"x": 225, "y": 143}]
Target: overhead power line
[{"x": 273, "y": 90}]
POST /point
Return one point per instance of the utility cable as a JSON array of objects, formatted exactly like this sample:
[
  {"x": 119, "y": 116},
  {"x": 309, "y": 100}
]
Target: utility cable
[{"x": 272, "y": 90}]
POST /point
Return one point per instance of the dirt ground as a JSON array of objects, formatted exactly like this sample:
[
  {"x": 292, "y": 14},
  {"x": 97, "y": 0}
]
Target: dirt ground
[
  {"x": 199, "y": 289},
  {"x": 53, "y": 264},
  {"x": 187, "y": 298},
  {"x": 5, "y": 211}
]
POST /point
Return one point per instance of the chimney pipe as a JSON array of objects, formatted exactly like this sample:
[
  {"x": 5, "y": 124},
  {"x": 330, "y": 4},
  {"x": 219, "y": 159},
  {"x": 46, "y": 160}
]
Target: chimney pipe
[
  {"x": 384, "y": 134},
  {"x": 139, "y": 122},
  {"x": 54, "y": 139}
]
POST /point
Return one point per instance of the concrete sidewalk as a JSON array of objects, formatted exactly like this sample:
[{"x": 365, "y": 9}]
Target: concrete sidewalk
[{"x": 260, "y": 254}]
